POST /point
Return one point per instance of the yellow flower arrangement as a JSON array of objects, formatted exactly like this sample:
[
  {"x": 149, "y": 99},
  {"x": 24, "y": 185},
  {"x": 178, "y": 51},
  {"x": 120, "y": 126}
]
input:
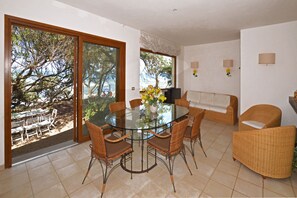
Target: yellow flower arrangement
[{"x": 152, "y": 96}]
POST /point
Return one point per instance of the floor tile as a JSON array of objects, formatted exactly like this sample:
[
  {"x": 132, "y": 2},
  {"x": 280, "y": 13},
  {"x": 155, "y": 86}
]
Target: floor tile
[
  {"x": 63, "y": 162},
  {"x": 228, "y": 168},
  {"x": 87, "y": 191},
  {"x": 37, "y": 162},
  {"x": 41, "y": 171},
  {"x": 74, "y": 182},
  {"x": 224, "y": 178},
  {"x": 247, "y": 188},
  {"x": 152, "y": 190},
  {"x": 44, "y": 182},
  {"x": 216, "y": 189},
  {"x": 268, "y": 193},
  {"x": 13, "y": 182},
  {"x": 68, "y": 171},
  {"x": 278, "y": 187},
  {"x": 58, "y": 155},
  {"x": 56, "y": 191},
  {"x": 250, "y": 176},
  {"x": 237, "y": 194},
  {"x": 10, "y": 172},
  {"x": 23, "y": 191}
]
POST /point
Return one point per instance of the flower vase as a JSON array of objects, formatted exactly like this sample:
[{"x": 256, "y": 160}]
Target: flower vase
[{"x": 153, "y": 108}]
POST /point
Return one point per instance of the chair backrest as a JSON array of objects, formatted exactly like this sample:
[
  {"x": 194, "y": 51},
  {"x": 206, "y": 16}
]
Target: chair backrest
[
  {"x": 116, "y": 106},
  {"x": 97, "y": 139},
  {"x": 195, "y": 117},
  {"x": 54, "y": 113},
  {"x": 182, "y": 102},
  {"x": 15, "y": 124},
  {"x": 135, "y": 102},
  {"x": 177, "y": 136},
  {"x": 32, "y": 120}
]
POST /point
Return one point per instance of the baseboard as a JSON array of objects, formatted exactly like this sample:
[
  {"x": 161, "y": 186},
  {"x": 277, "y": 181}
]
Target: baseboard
[{"x": 2, "y": 167}]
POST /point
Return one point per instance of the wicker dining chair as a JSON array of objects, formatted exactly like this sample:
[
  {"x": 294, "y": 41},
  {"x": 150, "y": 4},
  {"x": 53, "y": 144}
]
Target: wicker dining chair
[
  {"x": 106, "y": 151},
  {"x": 135, "y": 102},
  {"x": 182, "y": 102},
  {"x": 117, "y": 106},
  {"x": 169, "y": 145},
  {"x": 193, "y": 130}
]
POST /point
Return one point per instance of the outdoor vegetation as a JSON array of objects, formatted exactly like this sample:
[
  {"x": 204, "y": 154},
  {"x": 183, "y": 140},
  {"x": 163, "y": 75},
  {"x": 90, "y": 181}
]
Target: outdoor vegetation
[
  {"x": 156, "y": 70},
  {"x": 42, "y": 75}
]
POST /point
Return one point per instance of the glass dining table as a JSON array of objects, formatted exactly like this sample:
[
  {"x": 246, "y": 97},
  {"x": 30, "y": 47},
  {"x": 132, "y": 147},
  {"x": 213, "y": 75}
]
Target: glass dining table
[{"x": 136, "y": 122}]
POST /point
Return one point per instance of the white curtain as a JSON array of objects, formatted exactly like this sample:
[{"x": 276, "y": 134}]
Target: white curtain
[{"x": 156, "y": 44}]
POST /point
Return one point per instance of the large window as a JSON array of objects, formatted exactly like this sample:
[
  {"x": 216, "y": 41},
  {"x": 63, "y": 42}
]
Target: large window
[{"x": 157, "y": 69}]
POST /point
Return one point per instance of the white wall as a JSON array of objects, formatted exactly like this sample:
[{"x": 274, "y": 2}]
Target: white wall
[
  {"x": 211, "y": 74},
  {"x": 271, "y": 84},
  {"x": 58, "y": 14}
]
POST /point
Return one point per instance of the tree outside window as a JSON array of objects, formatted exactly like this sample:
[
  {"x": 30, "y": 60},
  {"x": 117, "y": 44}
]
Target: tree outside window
[{"x": 157, "y": 70}]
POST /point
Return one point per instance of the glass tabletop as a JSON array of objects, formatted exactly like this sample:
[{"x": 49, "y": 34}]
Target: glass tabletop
[{"x": 140, "y": 118}]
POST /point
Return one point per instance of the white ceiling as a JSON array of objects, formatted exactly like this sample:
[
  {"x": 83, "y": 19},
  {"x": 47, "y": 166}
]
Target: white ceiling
[{"x": 190, "y": 22}]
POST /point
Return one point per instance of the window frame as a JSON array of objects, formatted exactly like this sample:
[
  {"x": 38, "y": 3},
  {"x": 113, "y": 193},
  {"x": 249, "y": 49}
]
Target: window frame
[{"x": 174, "y": 66}]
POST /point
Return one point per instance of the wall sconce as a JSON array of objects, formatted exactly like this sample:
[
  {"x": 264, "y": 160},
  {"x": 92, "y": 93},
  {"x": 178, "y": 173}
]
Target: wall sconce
[
  {"x": 267, "y": 58},
  {"x": 194, "y": 66},
  {"x": 228, "y": 64}
]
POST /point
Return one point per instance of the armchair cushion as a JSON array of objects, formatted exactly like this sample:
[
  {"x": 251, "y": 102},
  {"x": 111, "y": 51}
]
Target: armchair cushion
[
  {"x": 199, "y": 105},
  {"x": 221, "y": 100},
  {"x": 254, "y": 124},
  {"x": 218, "y": 109},
  {"x": 193, "y": 96},
  {"x": 206, "y": 98}
]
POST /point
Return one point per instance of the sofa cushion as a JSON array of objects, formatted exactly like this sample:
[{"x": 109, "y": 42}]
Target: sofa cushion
[
  {"x": 193, "y": 96},
  {"x": 221, "y": 100},
  {"x": 218, "y": 109},
  {"x": 199, "y": 105},
  {"x": 206, "y": 98},
  {"x": 254, "y": 124}
]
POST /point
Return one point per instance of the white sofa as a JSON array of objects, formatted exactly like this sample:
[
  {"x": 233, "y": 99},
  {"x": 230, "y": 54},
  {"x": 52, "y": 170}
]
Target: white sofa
[{"x": 219, "y": 107}]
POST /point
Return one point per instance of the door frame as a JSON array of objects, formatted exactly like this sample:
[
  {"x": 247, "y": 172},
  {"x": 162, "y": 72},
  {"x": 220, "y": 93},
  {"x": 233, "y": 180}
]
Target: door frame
[
  {"x": 80, "y": 36},
  {"x": 120, "y": 83}
]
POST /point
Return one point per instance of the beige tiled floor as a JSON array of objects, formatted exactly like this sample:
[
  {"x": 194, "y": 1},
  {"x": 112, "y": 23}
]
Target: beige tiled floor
[{"x": 60, "y": 175}]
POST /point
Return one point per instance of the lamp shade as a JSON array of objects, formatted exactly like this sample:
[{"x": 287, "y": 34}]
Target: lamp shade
[
  {"x": 267, "y": 58},
  {"x": 228, "y": 63},
  {"x": 194, "y": 65}
]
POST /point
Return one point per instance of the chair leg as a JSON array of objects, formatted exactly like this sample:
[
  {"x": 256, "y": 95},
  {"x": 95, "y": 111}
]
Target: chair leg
[
  {"x": 192, "y": 152},
  {"x": 185, "y": 160},
  {"x": 170, "y": 168},
  {"x": 90, "y": 165},
  {"x": 105, "y": 177},
  {"x": 202, "y": 146},
  {"x": 131, "y": 164}
]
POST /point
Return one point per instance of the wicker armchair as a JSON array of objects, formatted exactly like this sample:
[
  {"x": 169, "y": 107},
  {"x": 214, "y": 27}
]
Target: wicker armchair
[
  {"x": 268, "y": 152},
  {"x": 106, "y": 151},
  {"x": 260, "y": 116},
  {"x": 135, "y": 103}
]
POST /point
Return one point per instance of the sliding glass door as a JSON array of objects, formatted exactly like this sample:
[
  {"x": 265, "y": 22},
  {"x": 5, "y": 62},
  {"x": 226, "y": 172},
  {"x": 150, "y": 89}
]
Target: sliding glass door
[
  {"x": 42, "y": 89},
  {"x": 99, "y": 80},
  {"x": 55, "y": 79}
]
